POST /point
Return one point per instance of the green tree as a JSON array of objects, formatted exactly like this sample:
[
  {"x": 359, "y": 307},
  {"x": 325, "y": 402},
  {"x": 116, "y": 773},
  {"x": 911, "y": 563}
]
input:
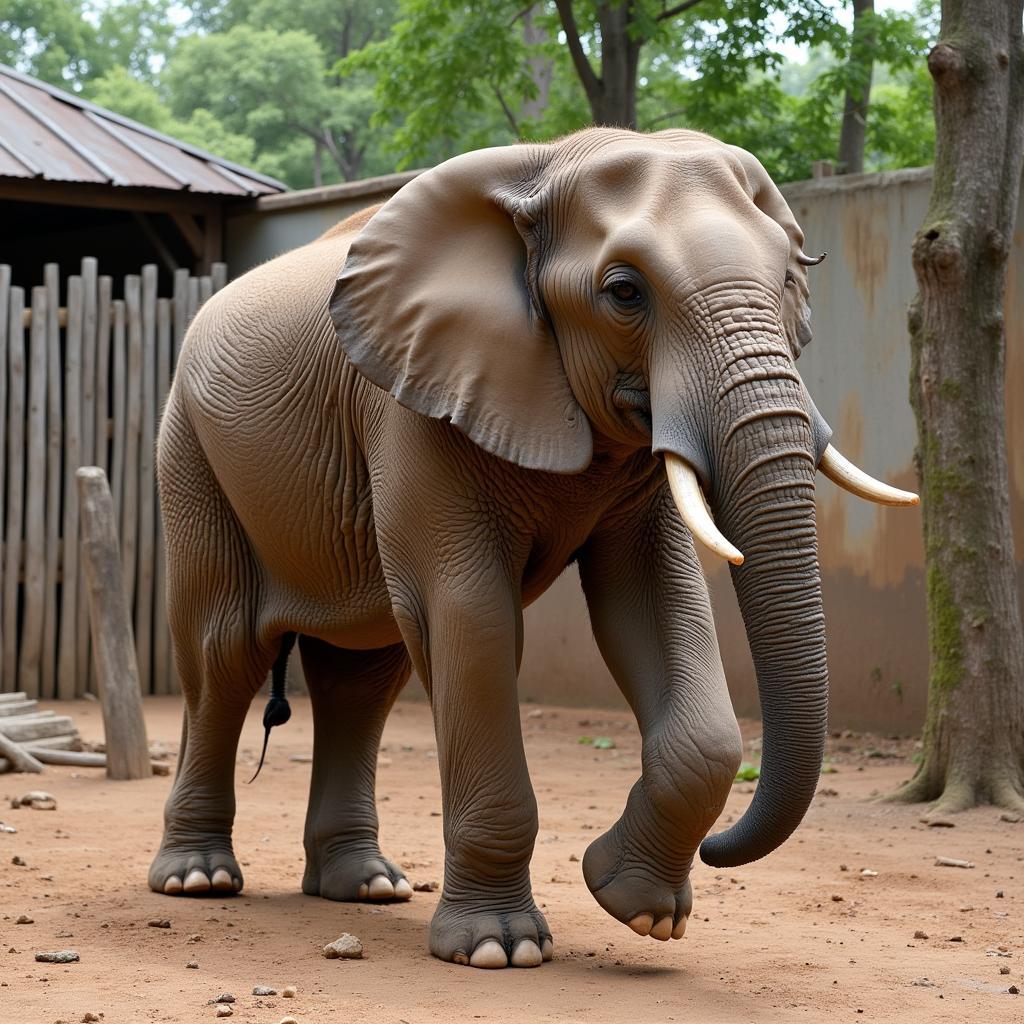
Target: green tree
[{"x": 50, "y": 39}]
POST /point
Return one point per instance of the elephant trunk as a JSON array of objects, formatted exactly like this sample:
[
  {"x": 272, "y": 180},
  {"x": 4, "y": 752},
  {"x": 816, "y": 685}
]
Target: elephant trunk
[{"x": 763, "y": 501}]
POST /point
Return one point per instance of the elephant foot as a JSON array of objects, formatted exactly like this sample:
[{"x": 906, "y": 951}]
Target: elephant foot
[
  {"x": 197, "y": 870},
  {"x": 633, "y": 889},
  {"x": 475, "y": 934},
  {"x": 352, "y": 874}
]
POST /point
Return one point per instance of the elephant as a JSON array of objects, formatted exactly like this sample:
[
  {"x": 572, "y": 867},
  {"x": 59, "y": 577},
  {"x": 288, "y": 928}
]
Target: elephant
[{"x": 387, "y": 442}]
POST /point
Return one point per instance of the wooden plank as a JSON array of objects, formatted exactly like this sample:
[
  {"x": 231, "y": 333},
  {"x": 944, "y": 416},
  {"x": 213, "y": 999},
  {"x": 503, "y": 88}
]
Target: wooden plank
[
  {"x": 87, "y": 455},
  {"x": 16, "y": 697},
  {"x": 20, "y": 759},
  {"x": 54, "y": 438},
  {"x": 133, "y": 426},
  {"x": 147, "y": 485},
  {"x": 193, "y": 299},
  {"x": 116, "y": 664},
  {"x": 118, "y": 400},
  {"x": 15, "y": 481},
  {"x": 33, "y": 593},
  {"x": 161, "y": 636},
  {"x": 5, "y": 291},
  {"x": 29, "y": 728},
  {"x": 219, "y": 275},
  {"x": 180, "y": 304},
  {"x": 104, "y": 319},
  {"x": 67, "y": 653},
  {"x": 69, "y": 741},
  {"x": 18, "y": 707},
  {"x": 75, "y": 758},
  {"x": 205, "y": 288}
]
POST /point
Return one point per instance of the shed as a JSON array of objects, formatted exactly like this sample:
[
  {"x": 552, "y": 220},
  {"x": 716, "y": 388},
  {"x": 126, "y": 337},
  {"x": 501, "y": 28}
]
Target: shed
[{"x": 77, "y": 180}]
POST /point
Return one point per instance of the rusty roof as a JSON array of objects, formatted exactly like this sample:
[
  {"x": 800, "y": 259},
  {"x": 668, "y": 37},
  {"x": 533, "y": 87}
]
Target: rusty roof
[{"x": 47, "y": 134}]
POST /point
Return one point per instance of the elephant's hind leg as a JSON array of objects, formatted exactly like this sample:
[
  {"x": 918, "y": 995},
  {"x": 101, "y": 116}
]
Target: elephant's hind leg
[
  {"x": 222, "y": 662},
  {"x": 351, "y": 694}
]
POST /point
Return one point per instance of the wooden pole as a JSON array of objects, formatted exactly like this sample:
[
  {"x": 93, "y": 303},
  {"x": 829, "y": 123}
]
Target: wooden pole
[
  {"x": 15, "y": 480},
  {"x": 113, "y": 649},
  {"x": 21, "y": 760},
  {"x": 54, "y": 470},
  {"x": 5, "y": 289}
]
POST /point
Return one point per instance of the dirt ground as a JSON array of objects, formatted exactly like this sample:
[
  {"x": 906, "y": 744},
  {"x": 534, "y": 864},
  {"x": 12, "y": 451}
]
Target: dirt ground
[{"x": 803, "y": 935}]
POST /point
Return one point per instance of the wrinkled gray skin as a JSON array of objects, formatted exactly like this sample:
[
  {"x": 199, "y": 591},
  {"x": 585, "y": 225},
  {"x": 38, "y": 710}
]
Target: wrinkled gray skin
[{"x": 513, "y": 342}]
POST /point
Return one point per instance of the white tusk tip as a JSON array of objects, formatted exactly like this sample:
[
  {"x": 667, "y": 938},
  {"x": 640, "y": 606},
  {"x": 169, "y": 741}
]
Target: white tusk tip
[
  {"x": 851, "y": 478},
  {"x": 689, "y": 501}
]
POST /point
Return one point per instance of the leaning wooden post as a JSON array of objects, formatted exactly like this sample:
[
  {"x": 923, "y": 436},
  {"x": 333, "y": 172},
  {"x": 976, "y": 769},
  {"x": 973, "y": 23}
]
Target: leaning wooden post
[{"x": 117, "y": 674}]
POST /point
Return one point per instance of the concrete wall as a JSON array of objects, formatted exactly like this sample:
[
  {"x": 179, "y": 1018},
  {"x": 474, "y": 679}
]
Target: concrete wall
[{"x": 857, "y": 369}]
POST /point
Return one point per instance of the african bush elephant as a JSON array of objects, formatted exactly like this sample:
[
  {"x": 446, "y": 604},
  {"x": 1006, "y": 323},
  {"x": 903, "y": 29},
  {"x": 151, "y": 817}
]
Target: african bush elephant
[{"x": 533, "y": 355}]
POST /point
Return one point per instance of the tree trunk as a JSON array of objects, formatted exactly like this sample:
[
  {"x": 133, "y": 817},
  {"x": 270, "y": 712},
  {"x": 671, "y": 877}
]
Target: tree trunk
[
  {"x": 858, "y": 94},
  {"x": 974, "y": 734},
  {"x": 619, "y": 57},
  {"x": 542, "y": 68}
]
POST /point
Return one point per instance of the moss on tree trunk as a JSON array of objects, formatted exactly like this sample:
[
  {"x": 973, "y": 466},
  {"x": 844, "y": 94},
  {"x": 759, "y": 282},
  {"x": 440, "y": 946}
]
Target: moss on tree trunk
[{"x": 974, "y": 733}]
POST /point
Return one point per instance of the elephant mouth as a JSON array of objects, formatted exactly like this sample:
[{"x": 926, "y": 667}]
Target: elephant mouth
[{"x": 635, "y": 403}]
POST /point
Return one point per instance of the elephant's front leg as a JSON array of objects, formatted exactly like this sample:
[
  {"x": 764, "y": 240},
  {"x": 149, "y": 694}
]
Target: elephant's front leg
[
  {"x": 652, "y": 620},
  {"x": 466, "y": 639}
]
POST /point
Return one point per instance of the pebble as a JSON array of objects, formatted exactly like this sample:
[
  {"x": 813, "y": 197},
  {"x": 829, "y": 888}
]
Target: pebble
[
  {"x": 192, "y": 965},
  {"x": 264, "y": 990},
  {"x": 1012, "y": 819},
  {"x": 24, "y": 919},
  {"x": 424, "y": 887},
  {"x": 224, "y": 1011},
  {"x": 1013, "y": 990},
  {"x": 89, "y": 1017},
  {"x": 224, "y": 997},
  {"x": 1004, "y": 970},
  {"x": 289, "y": 991},
  {"x": 836, "y": 898},
  {"x": 8, "y": 829},
  {"x": 35, "y": 796},
  {"x": 920, "y": 934},
  {"x": 999, "y": 894},
  {"x": 573, "y": 859},
  {"x": 301, "y": 758},
  {"x": 17, "y": 861},
  {"x": 287, "y": 1020},
  {"x": 952, "y": 862},
  {"x": 939, "y": 822},
  {"x": 159, "y": 769},
  {"x": 61, "y": 956},
  {"x": 347, "y": 947},
  {"x": 159, "y": 922}
]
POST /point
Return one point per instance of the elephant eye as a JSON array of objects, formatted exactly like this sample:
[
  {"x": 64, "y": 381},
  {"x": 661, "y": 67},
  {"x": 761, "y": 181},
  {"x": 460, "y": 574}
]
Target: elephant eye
[{"x": 625, "y": 292}]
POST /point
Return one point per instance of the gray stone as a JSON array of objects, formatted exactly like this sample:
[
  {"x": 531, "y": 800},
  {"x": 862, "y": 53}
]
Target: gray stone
[
  {"x": 347, "y": 947},
  {"x": 61, "y": 956}
]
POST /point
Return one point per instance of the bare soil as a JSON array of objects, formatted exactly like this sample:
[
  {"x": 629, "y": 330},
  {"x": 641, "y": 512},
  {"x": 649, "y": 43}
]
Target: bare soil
[{"x": 804, "y": 935}]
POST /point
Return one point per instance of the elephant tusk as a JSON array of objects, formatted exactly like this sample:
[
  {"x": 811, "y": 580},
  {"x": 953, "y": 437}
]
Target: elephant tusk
[
  {"x": 809, "y": 261},
  {"x": 848, "y": 476},
  {"x": 689, "y": 501}
]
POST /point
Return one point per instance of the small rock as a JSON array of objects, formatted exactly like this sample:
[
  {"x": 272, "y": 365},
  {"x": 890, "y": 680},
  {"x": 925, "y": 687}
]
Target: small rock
[
  {"x": 952, "y": 862},
  {"x": 264, "y": 990},
  {"x": 24, "y": 919},
  {"x": 158, "y": 922},
  {"x": 924, "y": 983},
  {"x": 17, "y": 861},
  {"x": 192, "y": 965},
  {"x": 836, "y": 898},
  {"x": 1007, "y": 816},
  {"x": 920, "y": 934},
  {"x": 535, "y": 713},
  {"x": 1013, "y": 990},
  {"x": 955, "y": 938},
  {"x": 383, "y": 762},
  {"x": 193, "y": 939},
  {"x": 90, "y": 1017},
  {"x": 289, "y": 991},
  {"x": 843, "y": 867},
  {"x": 301, "y": 758},
  {"x": 35, "y": 796},
  {"x": 1004, "y": 970},
  {"x": 287, "y": 1020},
  {"x": 8, "y": 829},
  {"x": 999, "y": 894},
  {"x": 868, "y": 873},
  {"x": 224, "y": 997},
  {"x": 424, "y": 887},
  {"x": 939, "y": 822},
  {"x": 348, "y": 947},
  {"x": 573, "y": 859},
  {"x": 224, "y": 1011},
  {"x": 61, "y": 956},
  {"x": 158, "y": 768},
  {"x": 966, "y": 910}
]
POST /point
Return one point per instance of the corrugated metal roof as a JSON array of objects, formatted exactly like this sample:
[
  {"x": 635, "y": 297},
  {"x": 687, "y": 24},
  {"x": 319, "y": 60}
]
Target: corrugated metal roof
[{"x": 52, "y": 135}]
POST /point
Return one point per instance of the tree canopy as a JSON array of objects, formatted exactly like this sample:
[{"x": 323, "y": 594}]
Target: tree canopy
[{"x": 315, "y": 91}]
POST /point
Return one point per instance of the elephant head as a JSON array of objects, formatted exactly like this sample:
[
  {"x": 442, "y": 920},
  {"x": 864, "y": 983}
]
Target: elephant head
[{"x": 651, "y": 289}]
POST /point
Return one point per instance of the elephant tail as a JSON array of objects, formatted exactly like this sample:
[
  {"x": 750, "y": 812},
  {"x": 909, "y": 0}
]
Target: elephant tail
[{"x": 278, "y": 710}]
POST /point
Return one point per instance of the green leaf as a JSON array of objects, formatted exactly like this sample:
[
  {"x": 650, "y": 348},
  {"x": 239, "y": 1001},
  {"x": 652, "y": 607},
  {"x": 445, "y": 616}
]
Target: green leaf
[{"x": 747, "y": 772}]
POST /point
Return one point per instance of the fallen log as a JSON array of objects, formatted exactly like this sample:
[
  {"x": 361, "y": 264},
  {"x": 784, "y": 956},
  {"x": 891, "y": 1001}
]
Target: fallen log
[{"x": 19, "y": 758}]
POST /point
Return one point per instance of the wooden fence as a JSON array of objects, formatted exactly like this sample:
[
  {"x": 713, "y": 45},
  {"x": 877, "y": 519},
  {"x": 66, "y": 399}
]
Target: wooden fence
[{"x": 83, "y": 384}]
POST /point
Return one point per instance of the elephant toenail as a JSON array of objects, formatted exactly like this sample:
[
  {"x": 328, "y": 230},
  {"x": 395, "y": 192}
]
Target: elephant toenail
[
  {"x": 221, "y": 880},
  {"x": 364, "y": 891},
  {"x": 527, "y": 954},
  {"x": 680, "y": 929},
  {"x": 381, "y": 888},
  {"x": 489, "y": 955},
  {"x": 236, "y": 884},
  {"x": 403, "y": 890},
  {"x": 172, "y": 886},
  {"x": 196, "y": 881},
  {"x": 547, "y": 949},
  {"x": 662, "y": 931},
  {"x": 642, "y": 924},
  {"x": 460, "y": 958}
]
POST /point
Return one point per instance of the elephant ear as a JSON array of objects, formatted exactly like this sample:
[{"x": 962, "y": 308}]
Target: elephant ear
[
  {"x": 437, "y": 304},
  {"x": 796, "y": 309}
]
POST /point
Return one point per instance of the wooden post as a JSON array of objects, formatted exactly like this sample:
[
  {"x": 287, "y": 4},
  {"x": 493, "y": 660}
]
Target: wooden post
[
  {"x": 147, "y": 483},
  {"x": 15, "y": 480},
  {"x": 113, "y": 649},
  {"x": 5, "y": 289},
  {"x": 54, "y": 469}
]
